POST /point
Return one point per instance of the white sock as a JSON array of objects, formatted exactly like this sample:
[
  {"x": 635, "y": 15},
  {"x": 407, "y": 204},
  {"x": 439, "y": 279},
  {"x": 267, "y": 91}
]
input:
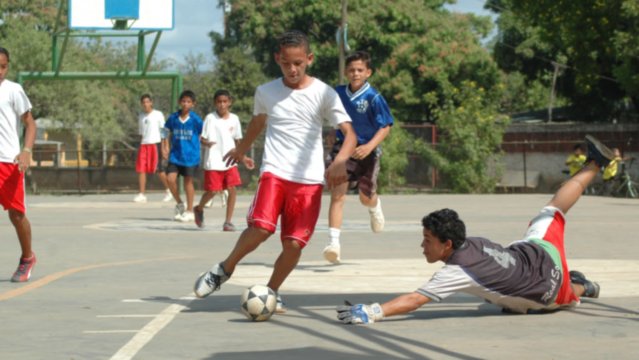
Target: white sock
[
  {"x": 377, "y": 205},
  {"x": 333, "y": 235}
]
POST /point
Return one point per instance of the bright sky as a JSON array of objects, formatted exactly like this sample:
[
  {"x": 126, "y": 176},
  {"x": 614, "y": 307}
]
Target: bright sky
[{"x": 194, "y": 19}]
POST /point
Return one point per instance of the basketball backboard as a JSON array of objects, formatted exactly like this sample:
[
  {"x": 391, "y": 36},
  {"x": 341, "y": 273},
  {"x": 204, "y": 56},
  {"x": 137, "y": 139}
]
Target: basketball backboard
[{"x": 103, "y": 14}]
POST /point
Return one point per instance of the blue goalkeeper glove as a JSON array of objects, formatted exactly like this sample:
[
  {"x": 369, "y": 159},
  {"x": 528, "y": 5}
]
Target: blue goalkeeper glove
[{"x": 359, "y": 313}]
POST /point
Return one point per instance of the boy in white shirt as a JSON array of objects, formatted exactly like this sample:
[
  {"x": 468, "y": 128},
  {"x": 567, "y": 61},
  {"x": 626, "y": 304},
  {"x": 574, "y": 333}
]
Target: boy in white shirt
[
  {"x": 221, "y": 133},
  {"x": 150, "y": 124},
  {"x": 15, "y": 107},
  {"x": 292, "y": 109}
]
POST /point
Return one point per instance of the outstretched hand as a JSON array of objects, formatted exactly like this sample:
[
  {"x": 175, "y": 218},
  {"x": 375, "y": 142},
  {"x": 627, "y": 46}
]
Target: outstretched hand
[{"x": 359, "y": 313}]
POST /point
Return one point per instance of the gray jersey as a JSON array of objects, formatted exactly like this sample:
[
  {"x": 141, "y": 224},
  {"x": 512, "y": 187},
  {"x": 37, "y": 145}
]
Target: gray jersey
[{"x": 519, "y": 277}]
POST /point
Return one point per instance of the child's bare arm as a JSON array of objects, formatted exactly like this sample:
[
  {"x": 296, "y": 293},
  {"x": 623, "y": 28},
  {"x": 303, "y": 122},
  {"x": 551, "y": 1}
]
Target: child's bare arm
[{"x": 364, "y": 150}]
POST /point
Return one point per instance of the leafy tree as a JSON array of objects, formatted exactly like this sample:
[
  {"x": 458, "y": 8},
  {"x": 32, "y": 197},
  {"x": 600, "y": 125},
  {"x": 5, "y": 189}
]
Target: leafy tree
[
  {"x": 469, "y": 135},
  {"x": 594, "y": 40}
]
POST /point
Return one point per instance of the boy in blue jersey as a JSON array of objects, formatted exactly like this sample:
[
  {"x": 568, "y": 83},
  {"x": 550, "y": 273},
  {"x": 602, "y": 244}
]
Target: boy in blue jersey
[
  {"x": 372, "y": 121},
  {"x": 183, "y": 129}
]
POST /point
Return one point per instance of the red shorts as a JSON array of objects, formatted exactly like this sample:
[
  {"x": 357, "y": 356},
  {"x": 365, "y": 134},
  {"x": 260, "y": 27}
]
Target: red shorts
[
  {"x": 147, "y": 161},
  {"x": 299, "y": 205},
  {"x": 11, "y": 187},
  {"x": 549, "y": 226},
  {"x": 218, "y": 180}
]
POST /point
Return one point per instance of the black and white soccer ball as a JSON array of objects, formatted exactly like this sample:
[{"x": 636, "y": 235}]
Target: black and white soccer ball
[{"x": 258, "y": 302}]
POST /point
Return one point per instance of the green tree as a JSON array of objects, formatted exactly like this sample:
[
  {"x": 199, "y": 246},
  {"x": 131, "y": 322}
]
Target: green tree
[{"x": 594, "y": 40}]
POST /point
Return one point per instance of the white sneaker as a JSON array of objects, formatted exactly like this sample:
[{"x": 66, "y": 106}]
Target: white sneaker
[
  {"x": 210, "y": 281},
  {"x": 280, "y": 307},
  {"x": 140, "y": 198},
  {"x": 168, "y": 197},
  {"x": 377, "y": 217},
  {"x": 209, "y": 204},
  {"x": 179, "y": 210},
  {"x": 187, "y": 216},
  {"x": 332, "y": 253},
  {"x": 225, "y": 197}
]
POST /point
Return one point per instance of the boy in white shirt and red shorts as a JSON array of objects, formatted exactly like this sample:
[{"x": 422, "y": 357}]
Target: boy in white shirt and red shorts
[
  {"x": 292, "y": 109},
  {"x": 15, "y": 107},
  {"x": 222, "y": 131}
]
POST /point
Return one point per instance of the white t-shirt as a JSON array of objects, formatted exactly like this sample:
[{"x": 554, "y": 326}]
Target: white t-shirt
[
  {"x": 13, "y": 104},
  {"x": 293, "y": 147},
  {"x": 150, "y": 126},
  {"x": 223, "y": 132}
]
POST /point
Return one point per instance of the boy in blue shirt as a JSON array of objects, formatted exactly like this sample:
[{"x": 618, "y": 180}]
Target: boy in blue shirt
[
  {"x": 183, "y": 129},
  {"x": 372, "y": 121}
]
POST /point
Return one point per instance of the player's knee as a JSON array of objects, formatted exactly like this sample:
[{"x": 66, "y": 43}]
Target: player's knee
[{"x": 16, "y": 216}]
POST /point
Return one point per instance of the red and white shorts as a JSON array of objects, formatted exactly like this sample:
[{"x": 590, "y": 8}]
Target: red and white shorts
[
  {"x": 549, "y": 226},
  {"x": 147, "y": 161},
  {"x": 299, "y": 205},
  {"x": 11, "y": 187},
  {"x": 218, "y": 180}
]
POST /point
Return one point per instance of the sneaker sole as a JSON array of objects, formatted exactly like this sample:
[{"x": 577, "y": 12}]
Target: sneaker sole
[
  {"x": 603, "y": 149},
  {"x": 332, "y": 257}
]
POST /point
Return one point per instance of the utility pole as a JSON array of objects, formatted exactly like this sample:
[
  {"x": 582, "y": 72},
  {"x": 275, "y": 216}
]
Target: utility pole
[
  {"x": 551, "y": 101},
  {"x": 341, "y": 41}
]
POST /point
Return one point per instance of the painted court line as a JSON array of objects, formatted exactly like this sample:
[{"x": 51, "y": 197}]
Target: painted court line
[
  {"x": 147, "y": 333},
  {"x": 123, "y": 316},
  {"x": 56, "y": 276}
]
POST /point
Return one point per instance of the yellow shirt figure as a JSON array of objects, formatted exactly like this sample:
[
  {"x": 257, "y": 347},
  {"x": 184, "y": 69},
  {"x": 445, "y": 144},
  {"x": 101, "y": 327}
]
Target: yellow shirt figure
[
  {"x": 575, "y": 162},
  {"x": 611, "y": 170}
]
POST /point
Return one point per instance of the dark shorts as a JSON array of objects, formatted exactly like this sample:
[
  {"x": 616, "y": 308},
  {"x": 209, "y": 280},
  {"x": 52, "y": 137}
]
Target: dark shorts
[
  {"x": 362, "y": 174},
  {"x": 181, "y": 170}
]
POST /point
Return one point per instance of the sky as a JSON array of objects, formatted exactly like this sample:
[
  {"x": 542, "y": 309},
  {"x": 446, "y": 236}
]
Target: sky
[{"x": 194, "y": 19}]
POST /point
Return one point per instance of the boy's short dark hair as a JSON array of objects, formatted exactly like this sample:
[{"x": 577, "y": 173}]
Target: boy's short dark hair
[
  {"x": 362, "y": 56},
  {"x": 293, "y": 38},
  {"x": 187, "y": 93},
  {"x": 145, "y": 96},
  {"x": 446, "y": 224},
  {"x": 5, "y": 52},
  {"x": 577, "y": 146},
  {"x": 222, "y": 92}
]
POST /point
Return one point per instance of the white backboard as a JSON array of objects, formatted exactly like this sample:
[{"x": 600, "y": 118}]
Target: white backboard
[{"x": 90, "y": 15}]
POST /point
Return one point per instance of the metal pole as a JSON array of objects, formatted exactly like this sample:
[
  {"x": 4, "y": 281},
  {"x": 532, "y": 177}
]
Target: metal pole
[
  {"x": 140, "y": 51},
  {"x": 342, "y": 45},
  {"x": 551, "y": 101}
]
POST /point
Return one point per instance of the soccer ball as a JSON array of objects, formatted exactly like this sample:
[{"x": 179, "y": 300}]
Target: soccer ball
[{"x": 258, "y": 302}]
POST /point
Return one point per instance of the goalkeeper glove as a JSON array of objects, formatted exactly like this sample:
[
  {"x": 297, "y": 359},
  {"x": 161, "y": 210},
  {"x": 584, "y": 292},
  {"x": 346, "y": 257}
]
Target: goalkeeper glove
[{"x": 359, "y": 313}]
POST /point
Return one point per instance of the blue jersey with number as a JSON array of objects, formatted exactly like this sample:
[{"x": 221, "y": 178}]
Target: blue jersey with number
[
  {"x": 185, "y": 139},
  {"x": 368, "y": 111}
]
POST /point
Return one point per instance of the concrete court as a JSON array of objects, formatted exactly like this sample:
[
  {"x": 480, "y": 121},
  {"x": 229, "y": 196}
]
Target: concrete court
[{"x": 114, "y": 281}]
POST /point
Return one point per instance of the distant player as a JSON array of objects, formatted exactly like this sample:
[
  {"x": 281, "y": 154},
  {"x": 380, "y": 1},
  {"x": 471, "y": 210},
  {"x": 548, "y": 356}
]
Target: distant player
[
  {"x": 529, "y": 275},
  {"x": 184, "y": 128},
  {"x": 575, "y": 161},
  {"x": 150, "y": 124},
  {"x": 372, "y": 122},
  {"x": 15, "y": 107},
  {"x": 292, "y": 109},
  {"x": 222, "y": 132}
]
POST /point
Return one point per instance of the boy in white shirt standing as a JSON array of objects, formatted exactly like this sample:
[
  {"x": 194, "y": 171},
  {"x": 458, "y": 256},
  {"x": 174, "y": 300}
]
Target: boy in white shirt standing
[
  {"x": 292, "y": 109},
  {"x": 150, "y": 124},
  {"x": 221, "y": 133},
  {"x": 15, "y": 107}
]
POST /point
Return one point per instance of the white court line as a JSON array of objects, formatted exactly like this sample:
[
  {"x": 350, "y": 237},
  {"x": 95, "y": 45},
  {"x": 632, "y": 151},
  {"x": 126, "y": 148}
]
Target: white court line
[
  {"x": 127, "y": 316},
  {"x": 133, "y": 301},
  {"x": 109, "y": 331},
  {"x": 147, "y": 333}
]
